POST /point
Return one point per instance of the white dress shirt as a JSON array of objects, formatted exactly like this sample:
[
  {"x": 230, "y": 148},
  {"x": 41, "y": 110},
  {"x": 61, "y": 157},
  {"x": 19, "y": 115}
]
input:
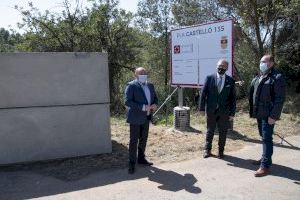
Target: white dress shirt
[{"x": 147, "y": 94}]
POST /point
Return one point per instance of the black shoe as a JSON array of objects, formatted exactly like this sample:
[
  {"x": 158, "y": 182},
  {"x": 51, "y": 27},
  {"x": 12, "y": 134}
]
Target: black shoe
[
  {"x": 220, "y": 155},
  {"x": 207, "y": 153},
  {"x": 143, "y": 161},
  {"x": 131, "y": 168},
  {"x": 256, "y": 162}
]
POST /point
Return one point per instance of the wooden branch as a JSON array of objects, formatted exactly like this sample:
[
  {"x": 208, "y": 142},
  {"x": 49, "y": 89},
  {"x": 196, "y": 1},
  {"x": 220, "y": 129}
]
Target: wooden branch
[{"x": 45, "y": 25}]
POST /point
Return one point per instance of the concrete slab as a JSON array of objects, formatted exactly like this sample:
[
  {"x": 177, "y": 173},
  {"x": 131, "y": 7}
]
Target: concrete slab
[
  {"x": 53, "y": 105},
  {"x": 49, "y": 79},
  {"x": 31, "y": 134}
]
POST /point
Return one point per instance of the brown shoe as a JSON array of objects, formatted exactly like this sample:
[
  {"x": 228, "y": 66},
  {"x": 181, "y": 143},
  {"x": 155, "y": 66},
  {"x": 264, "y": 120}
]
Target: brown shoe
[
  {"x": 261, "y": 172},
  {"x": 207, "y": 153}
]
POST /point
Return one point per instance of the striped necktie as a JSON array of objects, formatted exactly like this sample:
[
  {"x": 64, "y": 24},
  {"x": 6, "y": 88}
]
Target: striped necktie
[{"x": 220, "y": 84}]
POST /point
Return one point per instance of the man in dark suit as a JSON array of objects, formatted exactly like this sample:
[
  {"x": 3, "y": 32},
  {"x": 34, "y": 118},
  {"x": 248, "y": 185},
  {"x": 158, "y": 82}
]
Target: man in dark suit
[
  {"x": 141, "y": 101},
  {"x": 267, "y": 95},
  {"x": 218, "y": 100}
]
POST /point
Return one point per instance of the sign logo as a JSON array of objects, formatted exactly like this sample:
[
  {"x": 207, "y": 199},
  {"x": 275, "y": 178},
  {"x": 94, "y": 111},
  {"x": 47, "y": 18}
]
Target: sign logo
[
  {"x": 224, "y": 42},
  {"x": 176, "y": 49}
]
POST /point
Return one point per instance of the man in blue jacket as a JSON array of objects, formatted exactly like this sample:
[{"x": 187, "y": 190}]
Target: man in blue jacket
[
  {"x": 141, "y": 102},
  {"x": 267, "y": 94},
  {"x": 218, "y": 100}
]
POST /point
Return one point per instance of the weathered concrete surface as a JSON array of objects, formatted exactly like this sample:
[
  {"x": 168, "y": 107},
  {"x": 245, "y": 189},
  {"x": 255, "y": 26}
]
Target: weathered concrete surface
[
  {"x": 53, "y": 132},
  {"x": 53, "y": 105},
  {"x": 45, "y": 79},
  {"x": 212, "y": 178}
]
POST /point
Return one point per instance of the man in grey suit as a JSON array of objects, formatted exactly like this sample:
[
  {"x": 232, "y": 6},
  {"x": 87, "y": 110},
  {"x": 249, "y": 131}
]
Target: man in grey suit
[
  {"x": 218, "y": 100},
  {"x": 141, "y": 101}
]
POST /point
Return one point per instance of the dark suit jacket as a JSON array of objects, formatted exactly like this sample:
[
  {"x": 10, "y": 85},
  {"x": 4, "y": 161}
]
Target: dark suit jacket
[
  {"x": 210, "y": 98},
  {"x": 269, "y": 98},
  {"x": 135, "y": 98}
]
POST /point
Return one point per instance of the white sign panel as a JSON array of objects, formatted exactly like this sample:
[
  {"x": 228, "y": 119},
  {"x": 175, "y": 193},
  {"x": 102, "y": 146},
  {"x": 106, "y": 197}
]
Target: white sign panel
[{"x": 196, "y": 51}]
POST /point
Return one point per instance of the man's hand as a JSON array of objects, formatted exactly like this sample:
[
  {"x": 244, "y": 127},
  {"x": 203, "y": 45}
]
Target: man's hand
[
  {"x": 240, "y": 83},
  {"x": 147, "y": 108},
  {"x": 202, "y": 113},
  {"x": 271, "y": 121},
  {"x": 153, "y": 107}
]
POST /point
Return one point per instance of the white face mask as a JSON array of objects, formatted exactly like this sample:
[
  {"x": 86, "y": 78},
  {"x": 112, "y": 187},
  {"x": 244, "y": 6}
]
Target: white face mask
[
  {"x": 142, "y": 78},
  {"x": 263, "y": 67}
]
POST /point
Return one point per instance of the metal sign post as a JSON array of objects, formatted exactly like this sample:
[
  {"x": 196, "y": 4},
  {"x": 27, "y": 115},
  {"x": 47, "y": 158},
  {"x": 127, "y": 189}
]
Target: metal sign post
[{"x": 180, "y": 97}]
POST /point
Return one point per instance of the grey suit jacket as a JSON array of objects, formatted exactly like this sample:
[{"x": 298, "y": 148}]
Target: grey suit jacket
[
  {"x": 135, "y": 98},
  {"x": 211, "y": 100}
]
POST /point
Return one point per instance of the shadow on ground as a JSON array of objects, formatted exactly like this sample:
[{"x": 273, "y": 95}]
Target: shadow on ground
[
  {"x": 72, "y": 169},
  {"x": 186, "y": 130},
  {"x": 276, "y": 170},
  {"x": 39, "y": 179},
  {"x": 235, "y": 135},
  {"x": 172, "y": 181}
]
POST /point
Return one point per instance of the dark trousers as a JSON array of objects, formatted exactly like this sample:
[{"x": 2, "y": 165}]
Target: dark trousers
[
  {"x": 213, "y": 120},
  {"x": 138, "y": 140},
  {"x": 266, "y": 132}
]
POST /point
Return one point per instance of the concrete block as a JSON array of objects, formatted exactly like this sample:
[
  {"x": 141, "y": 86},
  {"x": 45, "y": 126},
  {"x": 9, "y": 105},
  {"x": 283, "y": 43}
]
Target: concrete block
[
  {"x": 53, "y": 105},
  {"x": 31, "y": 134},
  {"x": 50, "y": 79}
]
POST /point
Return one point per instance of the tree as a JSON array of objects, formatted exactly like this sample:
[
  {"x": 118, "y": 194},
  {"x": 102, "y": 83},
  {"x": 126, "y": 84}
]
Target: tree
[
  {"x": 155, "y": 17},
  {"x": 101, "y": 28},
  {"x": 9, "y": 40},
  {"x": 191, "y": 12},
  {"x": 260, "y": 26}
]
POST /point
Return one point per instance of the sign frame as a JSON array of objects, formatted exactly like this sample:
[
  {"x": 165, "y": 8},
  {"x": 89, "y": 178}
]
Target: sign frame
[{"x": 185, "y": 85}]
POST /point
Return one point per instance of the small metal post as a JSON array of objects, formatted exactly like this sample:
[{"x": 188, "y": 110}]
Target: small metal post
[{"x": 180, "y": 97}]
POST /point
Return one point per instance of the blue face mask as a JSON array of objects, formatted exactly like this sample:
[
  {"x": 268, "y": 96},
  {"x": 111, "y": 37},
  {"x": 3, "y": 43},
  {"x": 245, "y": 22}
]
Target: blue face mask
[
  {"x": 142, "y": 78},
  {"x": 263, "y": 67}
]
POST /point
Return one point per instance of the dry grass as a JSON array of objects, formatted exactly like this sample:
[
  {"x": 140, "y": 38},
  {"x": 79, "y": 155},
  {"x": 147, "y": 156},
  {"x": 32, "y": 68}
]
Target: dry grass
[{"x": 168, "y": 145}]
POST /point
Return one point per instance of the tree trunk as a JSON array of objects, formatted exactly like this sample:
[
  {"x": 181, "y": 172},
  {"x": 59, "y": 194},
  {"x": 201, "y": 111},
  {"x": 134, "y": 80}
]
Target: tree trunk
[
  {"x": 256, "y": 23},
  {"x": 273, "y": 37}
]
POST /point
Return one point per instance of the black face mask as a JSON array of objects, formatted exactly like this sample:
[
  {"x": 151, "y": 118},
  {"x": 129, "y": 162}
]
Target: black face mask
[{"x": 221, "y": 71}]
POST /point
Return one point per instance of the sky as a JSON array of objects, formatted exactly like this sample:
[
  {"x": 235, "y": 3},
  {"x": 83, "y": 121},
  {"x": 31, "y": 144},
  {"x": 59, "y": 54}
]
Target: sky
[{"x": 9, "y": 17}]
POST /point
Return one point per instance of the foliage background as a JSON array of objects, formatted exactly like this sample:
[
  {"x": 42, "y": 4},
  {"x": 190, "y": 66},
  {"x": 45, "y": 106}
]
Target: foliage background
[{"x": 142, "y": 38}]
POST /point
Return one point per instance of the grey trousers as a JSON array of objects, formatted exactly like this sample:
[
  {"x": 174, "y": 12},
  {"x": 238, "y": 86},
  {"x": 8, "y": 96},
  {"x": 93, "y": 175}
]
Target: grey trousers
[{"x": 138, "y": 141}]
